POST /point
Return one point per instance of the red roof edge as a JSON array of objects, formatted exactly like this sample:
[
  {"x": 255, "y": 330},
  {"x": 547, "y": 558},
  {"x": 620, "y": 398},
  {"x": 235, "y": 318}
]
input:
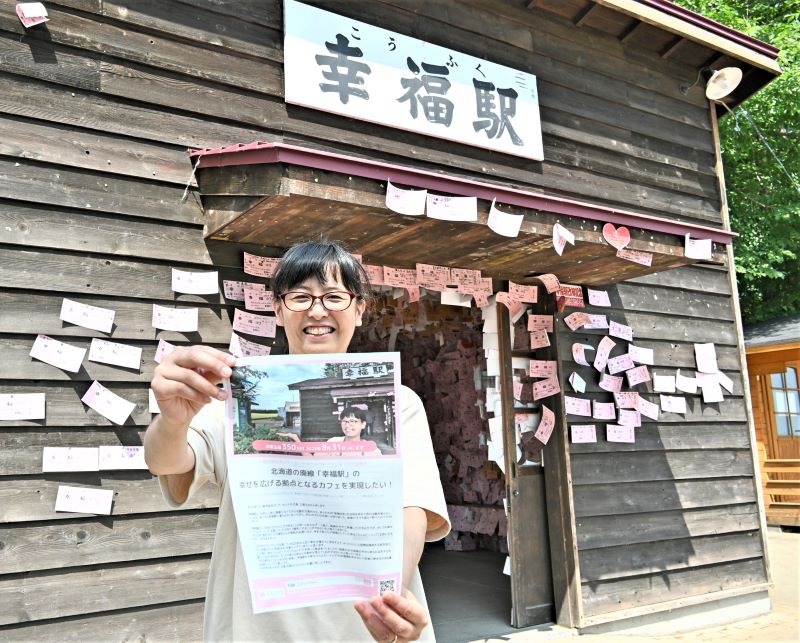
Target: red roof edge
[
  {"x": 713, "y": 26},
  {"x": 260, "y": 152}
]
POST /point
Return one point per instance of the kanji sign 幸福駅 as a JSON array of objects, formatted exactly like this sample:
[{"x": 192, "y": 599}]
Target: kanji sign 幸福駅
[{"x": 339, "y": 65}]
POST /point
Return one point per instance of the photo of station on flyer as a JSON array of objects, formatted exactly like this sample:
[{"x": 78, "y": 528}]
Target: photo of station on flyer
[{"x": 327, "y": 406}]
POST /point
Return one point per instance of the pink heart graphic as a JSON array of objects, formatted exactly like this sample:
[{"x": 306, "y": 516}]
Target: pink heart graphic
[{"x": 617, "y": 237}]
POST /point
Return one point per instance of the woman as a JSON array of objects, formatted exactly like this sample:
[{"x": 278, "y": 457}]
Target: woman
[
  {"x": 353, "y": 422},
  {"x": 320, "y": 293}
]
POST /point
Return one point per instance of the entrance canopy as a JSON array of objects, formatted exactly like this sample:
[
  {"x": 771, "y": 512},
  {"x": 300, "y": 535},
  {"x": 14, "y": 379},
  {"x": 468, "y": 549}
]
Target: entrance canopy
[{"x": 275, "y": 194}]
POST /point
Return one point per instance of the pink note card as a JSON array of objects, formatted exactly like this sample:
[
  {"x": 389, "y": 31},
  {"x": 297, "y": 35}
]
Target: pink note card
[
  {"x": 626, "y": 400},
  {"x": 524, "y": 293},
  {"x": 629, "y": 417},
  {"x": 620, "y": 433},
  {"x": 258, "y": 299},
  {"x": 583, "y": 433},
  {"x": 260, "y": 266},
  {"x": 575, "y": 320},
  {"x": 550, "y": 282},
  {"x": 620, "y": 363},
  {"x": 545, "y": 388},
  {"x": 637, "y": 375},
  {"x": 540, "y": 322},
  {"x": 235, "y": 289},
  {"x": 610, "y": 383},
  {"x": 647, "y": 408},
  {"x": 603, "y": 351},
  {"x": 579, "y": 353},
  {"x": 433, "y": 277},
  {"x": 673, "y": 404},
  {"x": 542, "y": 368},
  {"x": 539, "y": 339},
  {"x": 375, "y": 274},
  {"x": 604, "y": 411},
  {"x": 399, "y": 277},
  {"x": 55, "y": 459},
  {"x": 58, "y": 354},
  {"x": 636, "y": 256},
  {"x": 546, "y": 425},
  {"x": 578, "y": 406},
  {"x": 620, "y": 330},
  {"x": 252, "y": 324}
]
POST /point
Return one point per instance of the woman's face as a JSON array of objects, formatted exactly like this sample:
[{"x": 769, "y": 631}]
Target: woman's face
[
  {"x": 352, "y": 427},
  {"x": 318, "y": 330}
]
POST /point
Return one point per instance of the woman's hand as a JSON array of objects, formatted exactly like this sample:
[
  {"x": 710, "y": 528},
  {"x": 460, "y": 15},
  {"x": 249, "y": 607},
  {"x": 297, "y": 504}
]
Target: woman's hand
[
  {"x": 392, "y": 618},
  {"x": 187, "y": 379}
]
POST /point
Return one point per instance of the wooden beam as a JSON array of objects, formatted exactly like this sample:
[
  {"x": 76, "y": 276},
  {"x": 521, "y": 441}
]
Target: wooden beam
[
  {"x": 584, "y": 14},
  {"x": 672, "y": 47}
]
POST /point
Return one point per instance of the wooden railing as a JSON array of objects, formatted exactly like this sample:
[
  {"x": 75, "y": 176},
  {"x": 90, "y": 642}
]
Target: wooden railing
[{"x": 780, "y": 482}]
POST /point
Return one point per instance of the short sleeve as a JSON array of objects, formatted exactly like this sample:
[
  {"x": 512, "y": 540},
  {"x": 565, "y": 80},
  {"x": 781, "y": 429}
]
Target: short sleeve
[
  {"x": 205, "y": 439},
  {"x": 421, "y": 484}
]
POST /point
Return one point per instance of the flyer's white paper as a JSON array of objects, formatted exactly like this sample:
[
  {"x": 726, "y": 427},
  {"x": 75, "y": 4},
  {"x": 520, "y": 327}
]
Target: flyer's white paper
[
  {"x": 697, "y": 248},
  {"x": 706, "y": 357},
  {"x": 312, "y": 486}
]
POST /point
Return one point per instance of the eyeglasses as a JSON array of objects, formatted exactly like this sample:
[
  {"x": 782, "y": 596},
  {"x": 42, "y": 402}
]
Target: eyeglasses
[
  {"x": 299, "y": 301},
  {"x": 351, "y": 421}
]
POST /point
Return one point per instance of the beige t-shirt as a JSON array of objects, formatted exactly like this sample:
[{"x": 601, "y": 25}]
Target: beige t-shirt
[{"x": 228, "y": 612}]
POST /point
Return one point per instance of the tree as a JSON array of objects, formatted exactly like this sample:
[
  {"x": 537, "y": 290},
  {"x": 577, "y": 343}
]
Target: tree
[{"x": 761, "y": 154}]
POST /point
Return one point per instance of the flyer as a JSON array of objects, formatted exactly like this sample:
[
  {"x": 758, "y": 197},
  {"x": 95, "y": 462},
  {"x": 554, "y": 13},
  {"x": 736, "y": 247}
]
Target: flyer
[{"x": 314, "y": 452}]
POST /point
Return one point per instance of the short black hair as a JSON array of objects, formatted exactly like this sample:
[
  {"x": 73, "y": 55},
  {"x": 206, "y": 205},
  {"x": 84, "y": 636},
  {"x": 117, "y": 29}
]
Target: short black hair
[
  {"x": 353, "y": 411},
  {"x": 320, "y": 260}
]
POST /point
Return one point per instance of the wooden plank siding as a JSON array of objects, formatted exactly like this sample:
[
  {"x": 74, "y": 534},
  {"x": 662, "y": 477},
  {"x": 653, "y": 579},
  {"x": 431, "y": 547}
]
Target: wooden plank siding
[
  {"x": 679, "y": 503},
  {"x": 97, "y": 109}
]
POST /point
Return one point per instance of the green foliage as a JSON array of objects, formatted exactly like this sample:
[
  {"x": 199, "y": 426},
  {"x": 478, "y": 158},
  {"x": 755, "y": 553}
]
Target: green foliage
[
  {"x": 764, "y": 192},
  {"x": 244, "y": 436}
]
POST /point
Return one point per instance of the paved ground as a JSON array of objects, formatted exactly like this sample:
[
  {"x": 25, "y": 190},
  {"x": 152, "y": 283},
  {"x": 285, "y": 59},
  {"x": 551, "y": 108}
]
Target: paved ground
[{"x": 781, "y": 624}]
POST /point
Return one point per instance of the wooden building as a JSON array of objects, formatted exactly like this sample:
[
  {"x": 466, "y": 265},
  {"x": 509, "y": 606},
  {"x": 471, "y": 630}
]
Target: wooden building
[
  {"x": 99, "y": 201},
  {"x": 773, "y": 362}
]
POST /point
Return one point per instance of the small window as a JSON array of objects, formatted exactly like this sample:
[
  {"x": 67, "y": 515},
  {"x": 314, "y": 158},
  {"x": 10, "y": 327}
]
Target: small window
[{"x": 786, "y": 402}]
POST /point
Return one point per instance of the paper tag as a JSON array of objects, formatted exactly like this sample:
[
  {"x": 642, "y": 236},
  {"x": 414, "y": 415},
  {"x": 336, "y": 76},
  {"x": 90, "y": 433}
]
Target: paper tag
[
  {"x": 603, "y": 349},
  {"x": 108, "y": 404},
  {"x": 546, "y": 425},
  {"x": 673, "y": 404},
  {"x": 504, "y": 223},
  {"x": 84, "y": 500},
  {"x": 620, "y": 433},
  {"x": 697, "y": 248},
  {"x": 195, "y": 283},
  {"x": 408, "y": 202},
  {"x": 451, "y": 208},
  {"x": 260, "y": 266},
  {"x": 545, "y": 388},
  {"x": 582, "y": 433},
  {"x": 69, "y": 459},
  {"x": 604, "y": 411},
  {"x": 610, "y": 383},
  {"x": 577, "y": 382},
  {"x": 115, "y": 353},
  {"x": 540, "y": 322},
  {"x": 181, "y": 320},
  {"x": 252, "y": 324},
  {"x": 87, "y": 316},
  {"x": 31, "y": 14},
  {"x": 235, "y": 289},
  {"x": 120, "y": 458},
  {"x": 258, "y": 299},
  {"x": 598, "y": 297},
  {"x": 164, "y": 349},
  {"x": 58, "y": 354},
  {"x": 22, "y": 406},
  {"x": 637, "y": 375},
  {"x": 620, "y": 363},
  {"x": 577, "y": 406}
]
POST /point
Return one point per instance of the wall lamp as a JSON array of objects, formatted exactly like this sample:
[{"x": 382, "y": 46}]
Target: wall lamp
[{"x": 719, "y": 82}]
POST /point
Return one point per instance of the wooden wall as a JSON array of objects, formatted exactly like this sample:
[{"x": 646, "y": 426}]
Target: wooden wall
[{"x": 97, "y": 109}]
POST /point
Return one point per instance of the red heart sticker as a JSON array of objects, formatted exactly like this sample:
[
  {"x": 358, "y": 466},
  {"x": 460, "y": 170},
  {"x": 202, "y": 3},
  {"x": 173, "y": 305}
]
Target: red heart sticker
[{"x": 617, "y": 237}]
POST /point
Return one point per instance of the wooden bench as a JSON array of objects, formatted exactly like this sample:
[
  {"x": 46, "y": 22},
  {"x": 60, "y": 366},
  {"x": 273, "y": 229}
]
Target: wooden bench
[{"x": 780, "y": 481}]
